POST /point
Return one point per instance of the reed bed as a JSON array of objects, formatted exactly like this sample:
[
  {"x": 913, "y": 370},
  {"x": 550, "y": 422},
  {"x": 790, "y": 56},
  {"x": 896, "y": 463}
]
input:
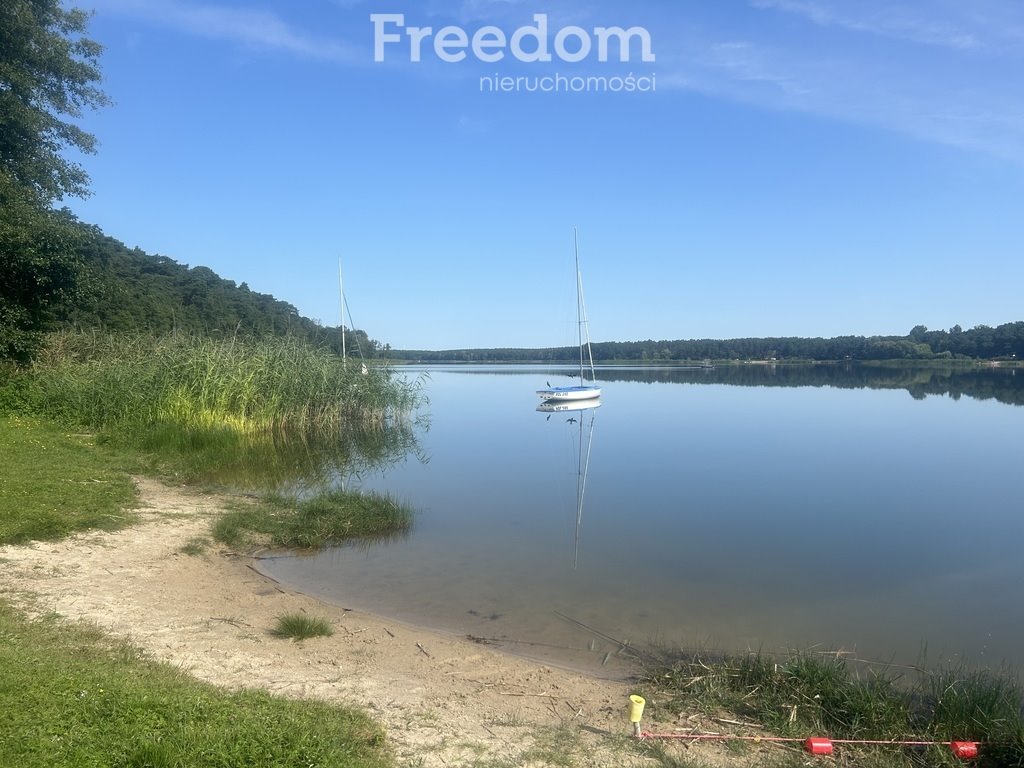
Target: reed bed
[{"x": 250, "y": 387}]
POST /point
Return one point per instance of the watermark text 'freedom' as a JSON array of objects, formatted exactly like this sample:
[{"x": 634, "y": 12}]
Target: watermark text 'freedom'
[{"x": 531, "y": 43}]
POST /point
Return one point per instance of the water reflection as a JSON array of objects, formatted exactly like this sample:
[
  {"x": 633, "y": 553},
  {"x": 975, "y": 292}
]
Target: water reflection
[
  {"x": 299, "y": 464},
  {"x": 976, "y": 381},
  {"x": 822, "y": 508},
  {"x": 584, "y": 415}
]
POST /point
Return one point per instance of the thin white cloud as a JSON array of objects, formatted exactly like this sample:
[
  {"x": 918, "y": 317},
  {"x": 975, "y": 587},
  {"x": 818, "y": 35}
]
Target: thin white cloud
[
  {"x": 952, "y": 80},
  {"x": 901, "y": 21},
  {"x": 743, "y": 62},
  {"x": 250, "y": 27}
]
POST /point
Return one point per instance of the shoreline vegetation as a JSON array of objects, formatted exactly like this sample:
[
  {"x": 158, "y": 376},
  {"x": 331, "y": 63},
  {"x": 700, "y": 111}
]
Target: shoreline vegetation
[
  {"x": 274, "y": 386},
  {"x": 937, "y": 363},
  {"x": 94, "y": 408},
  {"x": 1003, "y": 343},
  {"x": 827, "y": 695}
]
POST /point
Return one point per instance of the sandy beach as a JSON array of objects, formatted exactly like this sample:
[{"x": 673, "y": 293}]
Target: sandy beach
[{"x": 443, "y": 700}]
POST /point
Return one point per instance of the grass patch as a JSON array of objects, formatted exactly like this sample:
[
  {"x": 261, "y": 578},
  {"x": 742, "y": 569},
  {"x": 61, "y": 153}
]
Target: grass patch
[
  {"x": 509, "y": 720},
  {"x": 71, "y": 697},
  {"x": 195, "y": 546},
  {"x": 559, "y": 746},
  {"x": 330, "y": 518},
  {"x": 299, "y": 626},
  {"x": 813, "y": 694},
  {"x": 55, "y": 482}
]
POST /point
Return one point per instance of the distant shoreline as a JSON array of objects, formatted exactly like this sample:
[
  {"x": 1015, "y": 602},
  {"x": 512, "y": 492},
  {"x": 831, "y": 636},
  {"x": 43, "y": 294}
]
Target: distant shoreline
[{"x": 698, "y": 364}]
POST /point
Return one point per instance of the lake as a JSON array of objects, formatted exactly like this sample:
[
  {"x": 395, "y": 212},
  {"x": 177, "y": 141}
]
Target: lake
[{"x": 870, "y": 510}]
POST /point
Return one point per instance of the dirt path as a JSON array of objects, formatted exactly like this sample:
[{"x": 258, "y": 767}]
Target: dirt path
[{"x": 444, "y": 700}]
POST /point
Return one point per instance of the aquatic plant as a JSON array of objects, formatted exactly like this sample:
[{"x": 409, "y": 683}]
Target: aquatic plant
[
  {"x": 332, "y": 517},
  {"x": 128, "y": 383}
]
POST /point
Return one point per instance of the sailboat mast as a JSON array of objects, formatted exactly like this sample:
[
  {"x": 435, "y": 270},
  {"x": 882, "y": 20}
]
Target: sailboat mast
[
  {"x": 579, "y": 300},
  {"x": 581, "y": 313},
  {"x": 341, "y": 302}
]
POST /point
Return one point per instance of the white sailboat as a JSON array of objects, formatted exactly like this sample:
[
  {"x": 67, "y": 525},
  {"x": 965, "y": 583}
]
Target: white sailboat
[
  {"x": 344, "y": 308},
  {"x": 583, "y": 390}
]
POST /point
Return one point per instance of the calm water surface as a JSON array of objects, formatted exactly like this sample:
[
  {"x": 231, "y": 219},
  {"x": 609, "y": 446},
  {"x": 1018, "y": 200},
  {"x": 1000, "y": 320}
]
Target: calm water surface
[{"x": 725, "y": 509}]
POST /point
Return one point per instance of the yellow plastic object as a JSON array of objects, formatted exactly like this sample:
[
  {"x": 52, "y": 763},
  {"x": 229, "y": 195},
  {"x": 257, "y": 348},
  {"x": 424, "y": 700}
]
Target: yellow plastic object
[{"x": 636, "y": 708}]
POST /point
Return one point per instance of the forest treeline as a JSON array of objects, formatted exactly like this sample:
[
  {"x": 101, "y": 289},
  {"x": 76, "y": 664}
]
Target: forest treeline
[
  {"x": 981, "y": 342},
  {"x": 131, "y": 291}
]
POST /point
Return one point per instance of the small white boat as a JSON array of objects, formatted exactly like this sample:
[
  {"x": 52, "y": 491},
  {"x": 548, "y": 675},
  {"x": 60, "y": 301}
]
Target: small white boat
[
  {"x": 585, "y": 392},
  {"x": 581, "y": 391}
]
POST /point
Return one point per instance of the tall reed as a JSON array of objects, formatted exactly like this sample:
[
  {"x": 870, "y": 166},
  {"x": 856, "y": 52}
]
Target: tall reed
[{"x": 251, "y": 387}]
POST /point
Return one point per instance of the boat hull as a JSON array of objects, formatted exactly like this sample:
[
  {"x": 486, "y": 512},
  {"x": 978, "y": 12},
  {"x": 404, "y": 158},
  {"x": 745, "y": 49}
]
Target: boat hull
[{"x": 558, "y": 394}]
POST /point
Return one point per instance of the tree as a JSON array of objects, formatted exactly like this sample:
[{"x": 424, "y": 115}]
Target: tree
[
  {"x": 48, "y": 75},
  {"x": 41, "y": 272}
]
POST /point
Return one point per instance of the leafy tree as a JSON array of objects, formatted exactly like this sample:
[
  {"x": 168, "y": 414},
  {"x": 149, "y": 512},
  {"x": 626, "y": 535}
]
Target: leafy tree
[
  {"x": 40, "y": 271},
  {"x": 48, "y": 75}
]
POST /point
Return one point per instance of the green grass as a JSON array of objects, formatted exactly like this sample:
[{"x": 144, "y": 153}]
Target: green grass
[
  {"x": 70, "y": 697},
  {"x": 298, "y": 626},
  {"x": 329, "y": 518},
  {"x": 813, "y": 694},
  {"x": 54, "y": 482}
]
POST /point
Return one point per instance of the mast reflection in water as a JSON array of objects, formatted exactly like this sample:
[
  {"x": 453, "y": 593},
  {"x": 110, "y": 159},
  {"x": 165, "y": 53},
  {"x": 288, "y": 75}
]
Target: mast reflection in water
[{"x": 583, "y": 412}]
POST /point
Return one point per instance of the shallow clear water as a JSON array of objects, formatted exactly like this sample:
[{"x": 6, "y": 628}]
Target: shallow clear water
[{"x": 728, "y": 509}]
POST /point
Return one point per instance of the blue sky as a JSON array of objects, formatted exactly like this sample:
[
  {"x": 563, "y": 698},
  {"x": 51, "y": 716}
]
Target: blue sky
[{"x": 795, "y": 167}]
